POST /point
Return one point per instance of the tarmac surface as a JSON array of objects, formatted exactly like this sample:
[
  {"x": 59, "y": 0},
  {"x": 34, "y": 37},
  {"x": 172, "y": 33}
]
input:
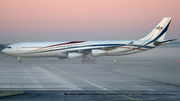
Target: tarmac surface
[
  {"x": 151, "y": 76},
  {"x": 73, "y": 81}
]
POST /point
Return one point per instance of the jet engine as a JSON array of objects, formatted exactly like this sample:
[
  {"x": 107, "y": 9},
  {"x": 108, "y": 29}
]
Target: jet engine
[
  {"x": 74, "y": 55},
  {"x": 62, "y": 56},
  {"x": 98, "y": 52}
]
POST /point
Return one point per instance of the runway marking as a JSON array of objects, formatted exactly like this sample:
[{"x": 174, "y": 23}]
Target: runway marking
[
  {"x": 78, "y": 77},
  {"x": 126, "y": 97},
  {"x": 141, "y": 99},
  {"x": 119, "y": 93},
  {"x": 56, "y": 80}
]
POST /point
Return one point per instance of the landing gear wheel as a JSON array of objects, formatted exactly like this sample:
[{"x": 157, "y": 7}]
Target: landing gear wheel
[
  {"x": 88, "y": 61},
  {"x": 83, "y": 61},
  {"x": 94, "y": 61},
  {"x": 20, "y": 61},
  {"x": 88, "y": 58}
]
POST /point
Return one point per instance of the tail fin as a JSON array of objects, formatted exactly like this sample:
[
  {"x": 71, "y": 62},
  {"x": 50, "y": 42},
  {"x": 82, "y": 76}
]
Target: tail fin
[{"x": 159, "y": 32}]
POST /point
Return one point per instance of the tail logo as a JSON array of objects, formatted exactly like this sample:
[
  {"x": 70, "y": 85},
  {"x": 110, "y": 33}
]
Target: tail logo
[{"x": 159, "y": 28}]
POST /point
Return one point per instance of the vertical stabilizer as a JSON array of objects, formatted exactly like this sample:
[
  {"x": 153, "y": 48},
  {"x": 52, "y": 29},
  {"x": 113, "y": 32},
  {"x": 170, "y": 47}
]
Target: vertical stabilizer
[{"x": 159, "y": 32}]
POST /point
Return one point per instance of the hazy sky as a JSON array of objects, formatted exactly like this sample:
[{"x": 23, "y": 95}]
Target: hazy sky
[{"x": 60, "y": 20}]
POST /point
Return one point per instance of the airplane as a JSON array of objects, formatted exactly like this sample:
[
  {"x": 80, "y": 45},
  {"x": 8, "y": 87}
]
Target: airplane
[{"x": 87, "y": 50}]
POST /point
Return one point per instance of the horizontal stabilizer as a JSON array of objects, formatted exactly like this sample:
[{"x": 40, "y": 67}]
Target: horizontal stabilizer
[{"x": 157, "y": 43}]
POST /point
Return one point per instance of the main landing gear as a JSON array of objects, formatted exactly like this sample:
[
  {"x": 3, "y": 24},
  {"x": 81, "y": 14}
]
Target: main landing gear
[
  {"x": 19, "y": 59},
  {"x": 88, "y": 61},
  {"x": 87, "y": 58}
]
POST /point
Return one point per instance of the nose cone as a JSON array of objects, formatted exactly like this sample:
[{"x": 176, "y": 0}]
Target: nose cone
[{"x": 4, "y": 50}]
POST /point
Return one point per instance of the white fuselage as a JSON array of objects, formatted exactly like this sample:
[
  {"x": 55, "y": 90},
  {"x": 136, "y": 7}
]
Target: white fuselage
[{"x": 60, "y": 49}]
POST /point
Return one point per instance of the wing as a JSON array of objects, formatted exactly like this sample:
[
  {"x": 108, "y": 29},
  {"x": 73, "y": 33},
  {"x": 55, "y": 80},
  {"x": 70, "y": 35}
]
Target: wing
[{"x": 104, "y": 47}]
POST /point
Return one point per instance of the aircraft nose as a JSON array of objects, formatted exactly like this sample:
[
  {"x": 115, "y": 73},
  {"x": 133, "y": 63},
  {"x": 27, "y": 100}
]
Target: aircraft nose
[{"x": 4, "y": 50}]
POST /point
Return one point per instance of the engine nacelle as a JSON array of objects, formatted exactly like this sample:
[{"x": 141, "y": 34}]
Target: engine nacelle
[
  {"x": 62, "y": 56},
  {"x": 98, "y": 52},
  {"x": 74, "y": 55}
]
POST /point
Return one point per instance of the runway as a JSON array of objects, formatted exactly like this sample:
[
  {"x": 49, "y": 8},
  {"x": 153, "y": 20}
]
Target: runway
[
  {"x": 50, "y": 76},
  {"x": 152, "y": 75},
  {"x": 102, "y": 81}
]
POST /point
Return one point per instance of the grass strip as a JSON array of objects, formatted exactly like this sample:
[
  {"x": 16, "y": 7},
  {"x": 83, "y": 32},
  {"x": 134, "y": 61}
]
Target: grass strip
[{"x": 10, "y": 93}]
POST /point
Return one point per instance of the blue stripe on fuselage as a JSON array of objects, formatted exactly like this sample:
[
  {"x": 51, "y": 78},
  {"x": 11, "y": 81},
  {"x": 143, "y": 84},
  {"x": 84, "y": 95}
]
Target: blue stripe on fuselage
[
  {"x": 166, "y": 28},
  {"x": 100, "y": 45}
]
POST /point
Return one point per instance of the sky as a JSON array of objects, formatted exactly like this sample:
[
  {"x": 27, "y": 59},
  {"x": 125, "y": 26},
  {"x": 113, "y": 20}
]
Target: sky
[{"x": 68, "y": 20}]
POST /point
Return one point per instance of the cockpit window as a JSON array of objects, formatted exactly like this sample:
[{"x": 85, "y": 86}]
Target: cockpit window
[{"x": 9, "y": 47}]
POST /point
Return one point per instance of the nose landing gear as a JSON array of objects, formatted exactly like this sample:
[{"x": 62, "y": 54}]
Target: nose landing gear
[{"x": 19, "y": 59}]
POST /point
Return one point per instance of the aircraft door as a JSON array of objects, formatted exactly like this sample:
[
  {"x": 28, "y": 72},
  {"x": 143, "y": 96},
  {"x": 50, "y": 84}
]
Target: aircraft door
[{"x": 18, "y": 47}]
